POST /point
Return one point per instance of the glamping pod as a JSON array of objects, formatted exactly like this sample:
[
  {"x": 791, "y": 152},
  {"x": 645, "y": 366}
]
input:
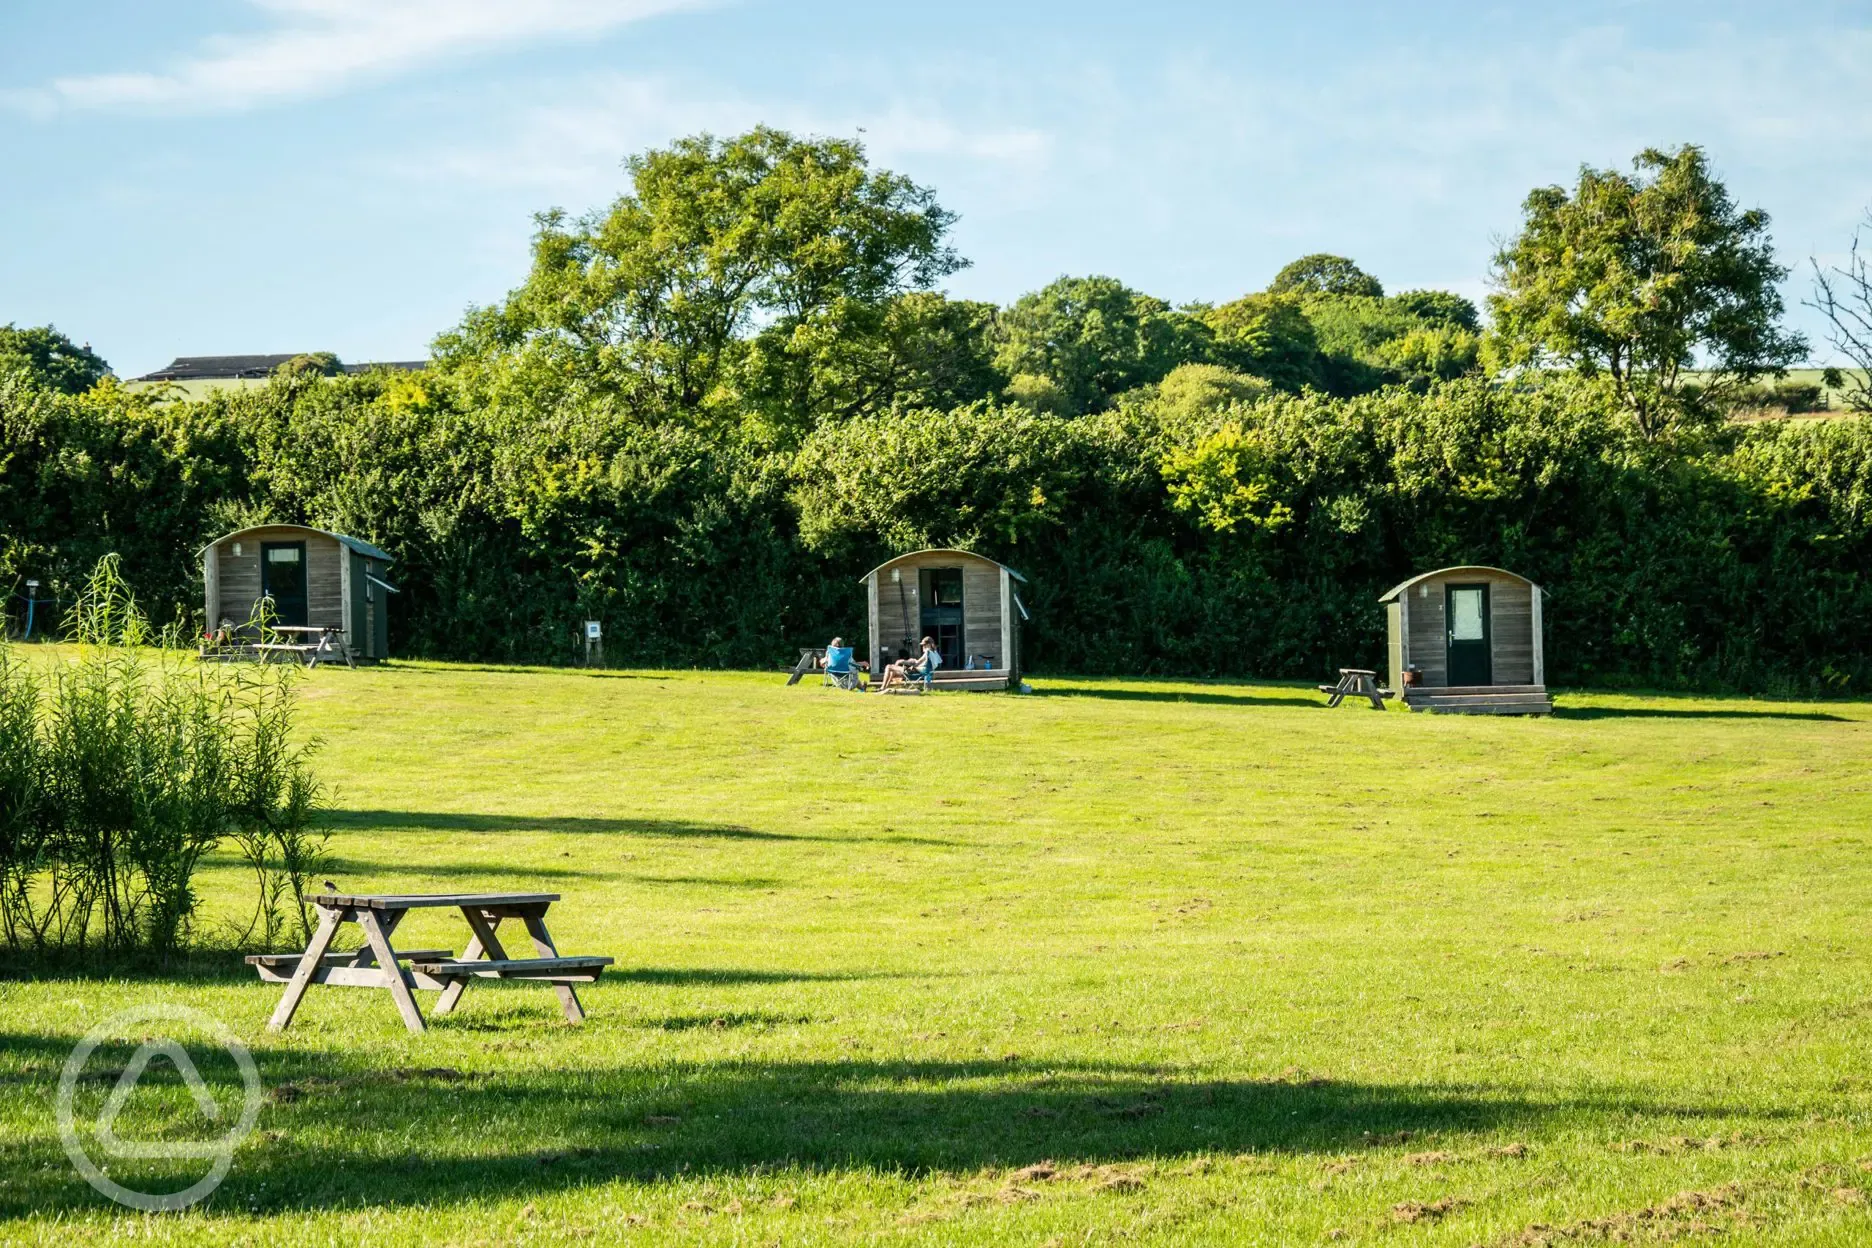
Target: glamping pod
[
  {"x": 966, "y": 602},
  {"x": 1468, "y": 639},
  {"x": 316, "y": 579}
]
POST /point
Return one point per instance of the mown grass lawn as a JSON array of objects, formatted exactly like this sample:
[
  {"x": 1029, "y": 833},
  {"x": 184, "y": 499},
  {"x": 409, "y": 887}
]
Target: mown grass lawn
[{"x": 1150, "y": 962}]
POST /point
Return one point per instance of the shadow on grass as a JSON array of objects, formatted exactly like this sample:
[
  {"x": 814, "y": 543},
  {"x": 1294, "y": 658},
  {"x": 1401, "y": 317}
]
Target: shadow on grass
[
  {"x": 686, "y": 975},
  {"x": 364, "y": 869},
  {"x": 1667, "y": 712},
  {"x": 450, "y": 669},
  {"x": 682, "y": 829},
  {"x": 1180, "y": 695},
  {"x": 339, "y": 1134}
]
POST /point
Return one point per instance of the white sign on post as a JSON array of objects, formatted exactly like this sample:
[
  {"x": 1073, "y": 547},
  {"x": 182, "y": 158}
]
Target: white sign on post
[{"x": 592, "y": 631}]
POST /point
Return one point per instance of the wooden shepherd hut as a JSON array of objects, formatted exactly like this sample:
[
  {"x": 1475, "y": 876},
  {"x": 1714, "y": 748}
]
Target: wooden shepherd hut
[
  {"x": 966, "y": 602},
  {"x": 316, "y": 579},
  {"x": 1468, "y": 639}
]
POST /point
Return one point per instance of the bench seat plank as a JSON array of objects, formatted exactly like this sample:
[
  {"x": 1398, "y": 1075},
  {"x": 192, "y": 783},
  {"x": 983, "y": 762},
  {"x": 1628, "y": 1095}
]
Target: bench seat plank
[
  {"x": 582, "y": 969},
  {"x": 345, "y": 958}
]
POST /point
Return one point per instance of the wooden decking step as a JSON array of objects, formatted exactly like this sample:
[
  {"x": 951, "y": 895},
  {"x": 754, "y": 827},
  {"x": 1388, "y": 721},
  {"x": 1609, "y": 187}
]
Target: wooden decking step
[{"x": 581, "y": 970}]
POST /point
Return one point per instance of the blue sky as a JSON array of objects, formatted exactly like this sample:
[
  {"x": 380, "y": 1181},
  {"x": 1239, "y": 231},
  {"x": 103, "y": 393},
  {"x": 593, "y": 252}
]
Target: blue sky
[{"x": 208, "y": 176}]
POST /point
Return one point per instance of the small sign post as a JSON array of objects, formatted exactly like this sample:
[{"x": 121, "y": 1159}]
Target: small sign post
[{"x": 594, "y": 644}]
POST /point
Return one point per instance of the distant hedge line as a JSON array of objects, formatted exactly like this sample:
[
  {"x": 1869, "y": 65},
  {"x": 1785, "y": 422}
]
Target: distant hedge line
[{"x": 1185, "y": 531}]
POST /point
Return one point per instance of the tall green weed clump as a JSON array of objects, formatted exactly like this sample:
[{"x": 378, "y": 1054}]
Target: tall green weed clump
[{"x": 122, "y": 769}]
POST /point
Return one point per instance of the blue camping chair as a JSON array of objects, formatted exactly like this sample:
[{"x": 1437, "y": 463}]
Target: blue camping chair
[{"x": 839, "y": 670}]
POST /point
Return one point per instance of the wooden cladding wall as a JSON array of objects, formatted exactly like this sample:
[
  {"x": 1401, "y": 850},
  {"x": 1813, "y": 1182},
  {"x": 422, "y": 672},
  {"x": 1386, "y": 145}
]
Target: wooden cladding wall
[
  {"x": 237, "y": 579},
  {"x": 1511, "y": 627},
  {"x": 981, "y": 611},
  {"x": 900, "y": 607}
]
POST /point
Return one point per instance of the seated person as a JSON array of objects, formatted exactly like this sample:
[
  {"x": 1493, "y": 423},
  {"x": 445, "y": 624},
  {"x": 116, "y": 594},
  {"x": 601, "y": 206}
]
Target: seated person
[
  {"x": 838, "y": 662},
  {"x": 906, "y": 670}
]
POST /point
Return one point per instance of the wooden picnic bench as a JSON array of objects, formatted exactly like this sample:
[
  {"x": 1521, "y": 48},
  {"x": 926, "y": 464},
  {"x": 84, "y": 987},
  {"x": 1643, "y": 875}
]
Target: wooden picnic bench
[
  {"x": 810, "y": 657},
  {"x": 1358, "y": 683},
  {"x": 318, "y": 643},
  {"x": 380, "y": 965}
]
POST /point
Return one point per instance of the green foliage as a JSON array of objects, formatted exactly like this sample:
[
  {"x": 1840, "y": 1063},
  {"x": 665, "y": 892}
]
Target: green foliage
[
  {"x": 126, "y": 770},
  {"x": 1442, "y": 353},
  {"x": 45, "y": 357},
  {"x": 313, "y": 364},
  {"x": 1439, "y": 308},
  {"x": 1193, "y": 394},
  {"x": 733, "y": 270},
  {"x": 1267, "y": 336},
  {"x": 108, "y": 472},
  {"x": 712, "y": 406},
  {"x": 1225, "y": 482},
  {"x": 1093, "y": 338},
  {"x": 981, "y": 477},
  {"x": 1638, "y": 276},
  {"x": 1325, "y": 274}
]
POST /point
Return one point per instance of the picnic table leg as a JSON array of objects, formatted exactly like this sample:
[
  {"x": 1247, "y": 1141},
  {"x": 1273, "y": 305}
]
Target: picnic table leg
[
  {"x": 308, "y": 967},
  {"x": 366, "y": 957},
  {"x": 543, "y": 942},
  {"x": 1370, "y": 690},
  {"x": 484, "y": 942},
  {"x": 386, "y": 956},
  {"x": 1338, "y": 694}
]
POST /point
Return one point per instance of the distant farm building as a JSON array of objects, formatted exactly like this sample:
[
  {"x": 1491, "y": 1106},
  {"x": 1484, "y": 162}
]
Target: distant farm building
[
  {"x": 196, "y": 375},
  {"x": 1468, "y": 639},
  {"x": 313, "y": 578},
  {"x": 966, "y": 603}
]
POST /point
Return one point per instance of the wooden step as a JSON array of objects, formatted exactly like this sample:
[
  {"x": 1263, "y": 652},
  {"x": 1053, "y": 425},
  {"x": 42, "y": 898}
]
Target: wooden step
[
  {"x": 582, "y": 970},
  {"x": 1486, "y": 706}
]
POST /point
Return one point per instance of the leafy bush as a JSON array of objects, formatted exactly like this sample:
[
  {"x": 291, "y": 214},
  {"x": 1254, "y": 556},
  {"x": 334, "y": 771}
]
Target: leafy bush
[{"x": 125, "y": 768}]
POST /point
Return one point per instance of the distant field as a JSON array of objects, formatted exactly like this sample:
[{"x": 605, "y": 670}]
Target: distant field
[
  {"x": 1834, "y": 398},
  {"x": 1124, "y": 961}
]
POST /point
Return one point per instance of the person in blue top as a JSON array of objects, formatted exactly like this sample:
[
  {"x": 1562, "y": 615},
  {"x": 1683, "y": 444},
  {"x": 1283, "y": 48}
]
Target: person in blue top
[{"x": 920, "y": 668}]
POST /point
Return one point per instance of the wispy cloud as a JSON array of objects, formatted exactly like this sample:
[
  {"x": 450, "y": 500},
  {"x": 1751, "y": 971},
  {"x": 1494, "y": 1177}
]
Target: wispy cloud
[
  {"x": 574, "y": 145},
  {"x": 315, "y": 47}
]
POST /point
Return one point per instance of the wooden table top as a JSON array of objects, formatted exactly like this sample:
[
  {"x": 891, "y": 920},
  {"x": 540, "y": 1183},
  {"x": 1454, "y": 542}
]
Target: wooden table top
[{"x": 417, "y": 901}]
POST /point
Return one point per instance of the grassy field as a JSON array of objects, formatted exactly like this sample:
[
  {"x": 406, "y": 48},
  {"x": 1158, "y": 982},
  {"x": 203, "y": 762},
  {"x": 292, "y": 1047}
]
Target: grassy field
[{"x": 1121, "y": 961}]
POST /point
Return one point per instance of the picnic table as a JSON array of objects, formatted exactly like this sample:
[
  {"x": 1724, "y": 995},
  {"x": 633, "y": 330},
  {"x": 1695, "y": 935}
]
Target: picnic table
[
  {"x": 380, "y": 965},
  {"x": 1358, "y": 683},
  {"x": 810, "y": 657},
  {"x": 323, "y": 641}
]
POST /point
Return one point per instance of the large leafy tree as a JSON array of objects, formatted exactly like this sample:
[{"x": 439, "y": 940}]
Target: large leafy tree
[
  {"x": 731, "y": 269},
  {"x": 1324, "y": 274},
  {"x": 50, "y": 359},
  {"x": 1640, "y": 278},
  {"x": 1265, "y": 336},
  {"x": 1085, "y": 340}
]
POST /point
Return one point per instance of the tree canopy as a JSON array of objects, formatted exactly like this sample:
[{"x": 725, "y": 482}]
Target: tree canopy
[
  {"x": 1641, "y": 277},
  {"x": 731, "y": 272},
  {"x": 50, "y": 359},
  {"x": 1090, "y": 339},
  {"x": 1324, "y": 274}
]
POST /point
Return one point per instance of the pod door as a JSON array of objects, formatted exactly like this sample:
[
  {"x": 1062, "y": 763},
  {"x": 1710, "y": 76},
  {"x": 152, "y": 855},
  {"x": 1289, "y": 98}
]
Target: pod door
[
  {"x": 283, "y": 579},
  {"x": 1466, "y": 612},
  {"x": 941, "y": 617}
]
